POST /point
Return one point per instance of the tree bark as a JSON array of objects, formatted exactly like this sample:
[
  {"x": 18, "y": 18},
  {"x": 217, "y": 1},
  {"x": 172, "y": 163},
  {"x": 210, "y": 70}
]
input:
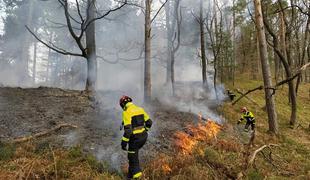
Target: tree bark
[
  {"x": 173, "y": 33},
  {"x": 169, "y": 41},
  {"x": 24, "y": 65},
  {"x": 147, "y": 62},
  {"x": 270, "y": 104},
  {"x": 202, "y": 46},
  {"x": 91, "y": 48},
  {"x": 234, "y": 46},
  {"x": 303, "y": 54}
]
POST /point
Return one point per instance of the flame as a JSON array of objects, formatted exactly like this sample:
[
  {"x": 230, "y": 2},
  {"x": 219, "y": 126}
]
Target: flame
[
  {"x": 186, "y": 142},
  {"x": 166, "y": 168},
  {"x": 162, "y": 163}
]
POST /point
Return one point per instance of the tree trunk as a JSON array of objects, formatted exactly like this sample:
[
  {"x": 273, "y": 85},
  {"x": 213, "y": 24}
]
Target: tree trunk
[
  {"x": 270, "y": 104},
  {"x": 172, "y": 73},
  {"x": 91, "y": 48},
  {"x": 147, "y": 62},
  {"x": 276, "y": 67},
  {"x": 169, "y": 41},
  {"x": 23, "y": 67},
  {"x": 34, "y": 68},
  {"x": 202, "y": 44},
  {"x": 293, "y": 99},
  {"x": 234, "y": 46},
  {"x": 244, "y": 57},
  {"x": 303, "y": 54}
]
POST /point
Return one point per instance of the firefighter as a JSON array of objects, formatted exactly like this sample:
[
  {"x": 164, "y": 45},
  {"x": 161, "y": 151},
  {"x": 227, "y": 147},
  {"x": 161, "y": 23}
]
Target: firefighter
[
  {"x": 136, "y": 124},
  {"x": 231, "y": 95},
  {"x": 249, "y": 117}
]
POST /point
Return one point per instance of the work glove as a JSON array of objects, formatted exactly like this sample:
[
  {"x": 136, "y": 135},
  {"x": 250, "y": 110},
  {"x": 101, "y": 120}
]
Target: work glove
[{"x": 124, "y": 145}]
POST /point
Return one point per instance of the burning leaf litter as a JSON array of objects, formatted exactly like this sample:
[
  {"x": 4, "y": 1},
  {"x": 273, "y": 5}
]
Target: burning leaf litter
[{"x": 186, "y": 141}]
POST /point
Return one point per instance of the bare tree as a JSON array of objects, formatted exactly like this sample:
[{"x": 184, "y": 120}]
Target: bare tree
[
  {"x": 283, "y": 48},
  {"x": 173, "y": 24},
  {"x": 83, "y": 36},
  {"x": 147, "y": 48},
  {"x": 215, "y": 32},
  {"x": 270, "y": 104},
  {"x": 23, "y": 67},
  {"x": 147, "y": 51},
  {"x": 202, "y": 45}
]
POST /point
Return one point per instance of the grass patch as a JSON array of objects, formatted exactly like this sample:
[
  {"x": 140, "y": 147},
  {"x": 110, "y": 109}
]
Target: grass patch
[
  {"x": 75, "y": 152},
  {"x": 254, "y": 174},
  {"x": 94, "y": 164},
  {"x": 292, "y": 157},
  {"x": 7, "y": 151},
  {"x": 50, "y": 163},
  {"x": 212, "y": 155}
]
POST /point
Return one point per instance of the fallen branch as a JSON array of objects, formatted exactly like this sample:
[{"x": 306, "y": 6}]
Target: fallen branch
[
  {"x": 251, "y": 159},
  {"x": 249, "y": 91},
  {"x": 242, "y": 93},
  {"x": 269, "y": 159},
  {"x": 40, "y": 134},
  {"x": 303, "y": 68},
  {"x": 253, "y": 155}
]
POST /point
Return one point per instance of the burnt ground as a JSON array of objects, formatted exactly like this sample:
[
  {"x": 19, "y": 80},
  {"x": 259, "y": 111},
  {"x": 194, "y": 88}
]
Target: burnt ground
[{"x": 28, "y": 111}]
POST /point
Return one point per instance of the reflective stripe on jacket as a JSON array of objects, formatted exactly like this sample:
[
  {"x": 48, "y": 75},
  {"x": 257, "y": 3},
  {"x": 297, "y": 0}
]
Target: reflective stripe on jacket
[
  {"x": 247, "y": 116},
  {"x": 135, "y": 121}
]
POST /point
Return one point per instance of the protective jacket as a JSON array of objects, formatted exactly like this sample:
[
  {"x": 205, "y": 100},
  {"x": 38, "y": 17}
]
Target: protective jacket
[
  {"x": 136, "y": 124},
  {"x": 248, "y": 116},
  {"x": 250, "y": 119},
  {"x": 135, "y": 121}
]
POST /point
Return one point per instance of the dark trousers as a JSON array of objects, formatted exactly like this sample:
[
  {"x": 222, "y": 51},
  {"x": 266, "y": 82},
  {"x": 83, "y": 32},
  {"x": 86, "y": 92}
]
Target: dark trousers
[
  {"x": 135, "y": 143},
  {"x": 250, "y": 123}
]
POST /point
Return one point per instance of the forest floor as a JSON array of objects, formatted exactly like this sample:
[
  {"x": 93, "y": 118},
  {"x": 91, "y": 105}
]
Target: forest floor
[
  {"x": 26, "y": 112},
  {"x": 179, "y": 146}
]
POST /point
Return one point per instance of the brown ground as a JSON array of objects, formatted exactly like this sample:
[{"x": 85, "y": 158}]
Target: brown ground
[{"x": 28, "y": 111}]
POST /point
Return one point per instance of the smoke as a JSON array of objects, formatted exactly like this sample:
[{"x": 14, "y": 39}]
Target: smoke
[{"x": 120, "y": 41}]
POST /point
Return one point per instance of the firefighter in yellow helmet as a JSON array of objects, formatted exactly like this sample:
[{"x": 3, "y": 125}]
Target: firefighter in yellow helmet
[
  {"x": 249, "y": 117},
  {"x": 136, "y": 123}
]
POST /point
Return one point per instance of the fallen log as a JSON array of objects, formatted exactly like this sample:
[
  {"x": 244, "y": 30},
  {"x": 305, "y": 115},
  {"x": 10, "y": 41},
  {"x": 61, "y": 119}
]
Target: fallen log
[
  {"x": 253, "y": 155},
  {"x": 250, "y": 99},
  {"x": 251, "y": 159},
  {"x": 44, "y": 133},
  {"x": 261, "y": 87},
  {"x": 249, "y": 91}
]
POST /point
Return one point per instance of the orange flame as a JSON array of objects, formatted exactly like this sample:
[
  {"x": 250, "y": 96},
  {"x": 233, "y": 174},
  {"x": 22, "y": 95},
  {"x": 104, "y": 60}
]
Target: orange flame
[
  {"x": 166, "y": 168},
  {"x": 186, "y": 142}
]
